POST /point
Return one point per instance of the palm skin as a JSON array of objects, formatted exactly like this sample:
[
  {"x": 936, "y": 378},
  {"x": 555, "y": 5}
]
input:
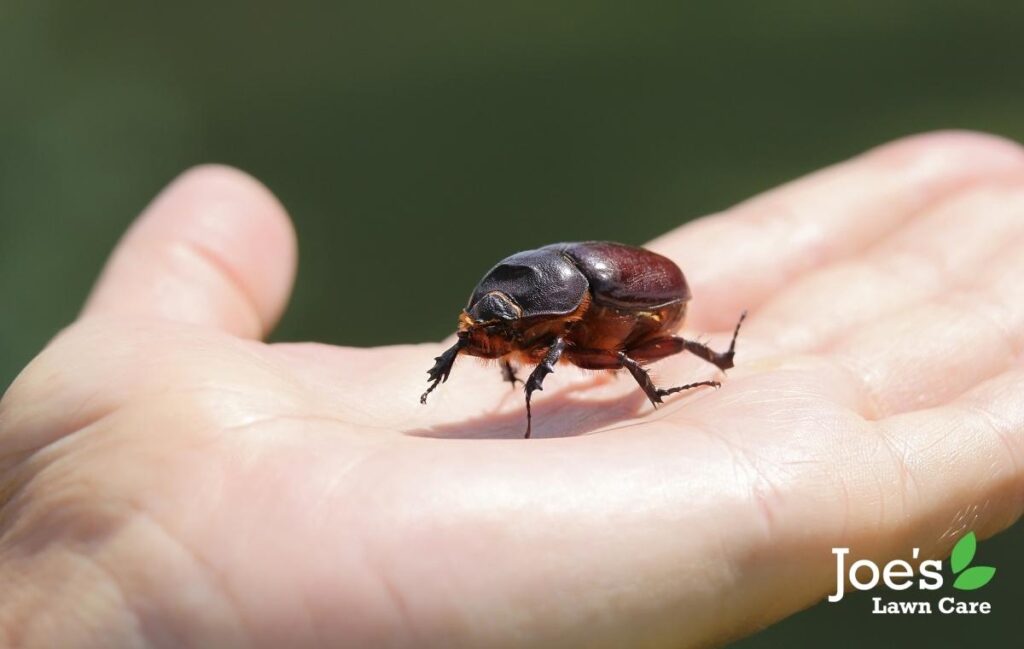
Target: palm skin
[{"x": 166, "y": 479}]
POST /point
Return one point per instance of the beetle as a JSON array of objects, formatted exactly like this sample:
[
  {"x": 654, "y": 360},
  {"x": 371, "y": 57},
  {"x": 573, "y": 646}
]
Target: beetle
[{"x": 598, "y": 305}]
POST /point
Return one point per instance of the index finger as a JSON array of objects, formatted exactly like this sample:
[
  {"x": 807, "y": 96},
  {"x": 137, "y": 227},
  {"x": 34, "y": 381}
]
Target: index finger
[{"x": 739, "y": 258}]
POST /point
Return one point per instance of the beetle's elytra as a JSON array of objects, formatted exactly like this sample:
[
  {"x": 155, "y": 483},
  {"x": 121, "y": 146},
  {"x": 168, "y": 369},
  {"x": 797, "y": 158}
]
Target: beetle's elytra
[{"x": 596, "y": 304}]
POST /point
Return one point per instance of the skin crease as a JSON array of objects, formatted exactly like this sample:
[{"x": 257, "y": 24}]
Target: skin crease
[{"x": 168, "y": 480}]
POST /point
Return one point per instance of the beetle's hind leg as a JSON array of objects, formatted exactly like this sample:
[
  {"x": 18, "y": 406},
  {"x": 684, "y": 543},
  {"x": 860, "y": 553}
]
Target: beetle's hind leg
[
  {"x": 653, "y": 392},
  {"x": 508, "y": 373},
  {"x": 659, "y": 348},
  {"x": 596, "y": 359},
  {"x": 721, "y": 360}
]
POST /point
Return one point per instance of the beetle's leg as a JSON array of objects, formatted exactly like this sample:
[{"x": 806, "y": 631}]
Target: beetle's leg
[
  {"x": 597, "y": 359},
  {"x": 722, "y": 360},
  {"x": 653, "y": 392},
  {"x": 508, "y": 373},
  {"x": 664, "y": 392},
  {"x": 442, "y": 368},
  {"x": 546, "y": 366},
  {"x": 658, "y": 348},
  {"x": 642, "y": 377}
]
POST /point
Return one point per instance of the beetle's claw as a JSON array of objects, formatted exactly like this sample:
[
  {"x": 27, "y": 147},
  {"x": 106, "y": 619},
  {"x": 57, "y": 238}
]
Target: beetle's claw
[
  {"x": 736, "y": 332},
  {"x": 423, "y": 397},
  {"x": 438, "y": 375},
  {"x": 436, "y": 381}
]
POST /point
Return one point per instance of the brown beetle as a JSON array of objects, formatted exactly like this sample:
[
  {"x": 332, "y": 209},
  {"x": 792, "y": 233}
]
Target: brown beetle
[{"x": 596, "y": 304}]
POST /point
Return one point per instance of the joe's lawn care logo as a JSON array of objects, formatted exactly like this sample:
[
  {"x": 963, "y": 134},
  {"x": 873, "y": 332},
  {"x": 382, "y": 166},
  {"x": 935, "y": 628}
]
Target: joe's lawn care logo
[{"x": 865, "y": 574}]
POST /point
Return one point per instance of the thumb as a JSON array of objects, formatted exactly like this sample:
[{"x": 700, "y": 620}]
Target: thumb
[{"x": 214, "y": 248}]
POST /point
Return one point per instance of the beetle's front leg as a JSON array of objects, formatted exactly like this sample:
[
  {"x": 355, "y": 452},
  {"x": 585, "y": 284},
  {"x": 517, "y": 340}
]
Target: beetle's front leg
[
  {"x": 536, "y": 380},
  {"x": 508, "y": 373},
  {"x": 442, "y": 368}
]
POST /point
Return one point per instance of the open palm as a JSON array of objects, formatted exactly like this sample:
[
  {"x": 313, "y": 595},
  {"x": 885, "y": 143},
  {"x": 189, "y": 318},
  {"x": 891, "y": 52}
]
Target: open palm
[{"x": 166, "y": 479}]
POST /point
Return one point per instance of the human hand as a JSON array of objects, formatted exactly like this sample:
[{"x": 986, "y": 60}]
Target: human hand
[{"x": 166, "y": 479}]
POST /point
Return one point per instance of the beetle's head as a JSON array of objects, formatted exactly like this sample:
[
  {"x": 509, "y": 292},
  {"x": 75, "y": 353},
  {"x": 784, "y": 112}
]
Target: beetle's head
[
  {"x": 494, "y": 307},
  {"x": 488, "y": 325}
]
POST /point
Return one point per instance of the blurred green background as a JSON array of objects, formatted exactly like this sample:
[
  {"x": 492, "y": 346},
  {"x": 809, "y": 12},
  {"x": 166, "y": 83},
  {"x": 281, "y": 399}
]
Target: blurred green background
[{"x": 427, "y": 140}]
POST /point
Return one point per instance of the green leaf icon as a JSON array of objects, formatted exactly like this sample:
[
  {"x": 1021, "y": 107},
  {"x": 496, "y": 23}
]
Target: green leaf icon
[
  {"x": 974, "y": 578},
  {"x": 963, "y": 554}
]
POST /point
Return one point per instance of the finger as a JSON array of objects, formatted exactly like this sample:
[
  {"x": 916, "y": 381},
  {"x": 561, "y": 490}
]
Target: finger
[
  {"x": 214, "y": 248},
  {"x": 946, "y": 247},
  {"x": 962, "y": 464},
  {"x": 738, "y": 259},
  {"x": 918, "y": 480},
  {"x": 930, "y": 353}
]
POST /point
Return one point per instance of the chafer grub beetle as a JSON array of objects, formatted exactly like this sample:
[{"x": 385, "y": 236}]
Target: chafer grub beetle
[{"x": 596, "y": 304}]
